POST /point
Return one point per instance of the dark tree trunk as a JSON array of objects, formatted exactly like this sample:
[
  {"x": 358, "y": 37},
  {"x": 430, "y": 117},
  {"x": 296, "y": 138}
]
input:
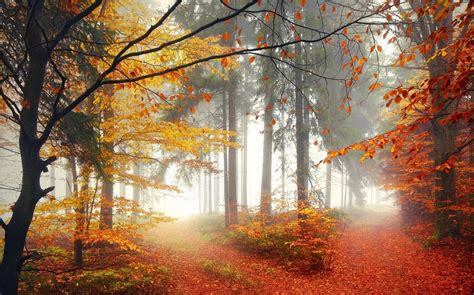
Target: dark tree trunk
[
  {"x": 444, "y": 145},
  {"x": 32, "y": 165},
  {"x": 301, "y": 142},
  {"x": 266, "y": 185},
  {"x": 233, "y": 210}
]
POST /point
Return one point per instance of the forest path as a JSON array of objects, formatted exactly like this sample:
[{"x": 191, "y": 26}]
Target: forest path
[{"x": 374, "y": 256}]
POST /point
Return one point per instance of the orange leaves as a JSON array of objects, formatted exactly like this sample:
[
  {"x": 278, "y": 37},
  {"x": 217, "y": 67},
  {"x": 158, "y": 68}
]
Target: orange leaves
[
  {"x": 302, "y": 3},
  {"x": 207, "y": 97},
  {"x": 375, "y": 86},
  {"x": 379, "y": 48},
  {"x": 192, "y": 109},
  {"x": 224, "y": 62},
  {"x": 226, "y": 36},
  {"x": 323, "y": 7},
  {"x": 388, "y": 17},
  {"x": 298, "y": 15},
  {"x": 251, "y": 59}
]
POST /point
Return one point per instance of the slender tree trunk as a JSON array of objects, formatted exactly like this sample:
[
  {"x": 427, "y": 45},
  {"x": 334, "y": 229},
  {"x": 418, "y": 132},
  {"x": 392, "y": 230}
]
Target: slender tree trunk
[
  {"x": 328, "y": 184},
  {"x": 209, "y": 184},
  {"x": 216, "y": 184},
  {"x": 205, "y": 194},
  {"x": 266, "y": 185},
  {"x": 243, "y": 173},
  {"x": 301, "y": 165},
  {"x": 80, "y": 211},
  {"x": 106, "y": 203},
  {"x": 342, "y": 185},
  {"x": 225, "y": 160},
  {"x": 233, "y": 209},
  {"x": 283, "y": 161},
  {"x": 136, "y": 187},
  {"x": 200, "y": 192}
]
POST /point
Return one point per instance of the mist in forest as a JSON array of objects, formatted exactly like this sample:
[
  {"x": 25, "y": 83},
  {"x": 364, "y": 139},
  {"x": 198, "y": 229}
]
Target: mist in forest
[{"x": 201, "y": 146}]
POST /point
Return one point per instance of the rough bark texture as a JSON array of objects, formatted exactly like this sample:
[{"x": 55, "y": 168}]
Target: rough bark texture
[
  {"x": 32, "y": 164},
  {"x": 444, "y": 145}
]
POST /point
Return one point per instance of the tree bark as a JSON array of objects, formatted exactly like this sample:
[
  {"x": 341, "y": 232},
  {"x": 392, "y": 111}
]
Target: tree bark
[
  {"x": 243, "y": 173},
  {"x": 136, "y": 188},
  {"x": 107, "y": 197},
  {"x": 32, "y": 164},
  {"x": 233, "y": 210},
  {"x": 225, "y": 160},
  {"x": 266, "y": 184},
  {"x": 301, "y": 135},
  {"x": 328, "y": 184}
]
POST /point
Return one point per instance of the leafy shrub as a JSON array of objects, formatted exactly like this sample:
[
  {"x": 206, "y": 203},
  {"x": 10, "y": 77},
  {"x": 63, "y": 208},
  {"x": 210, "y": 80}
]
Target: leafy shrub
[
  {"x": 302, "y": 243},
  {"x": 133, "y": 279}
]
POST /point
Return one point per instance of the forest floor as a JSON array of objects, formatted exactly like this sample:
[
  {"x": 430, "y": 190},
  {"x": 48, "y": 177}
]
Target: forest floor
[{"x": 374, "y": 256}]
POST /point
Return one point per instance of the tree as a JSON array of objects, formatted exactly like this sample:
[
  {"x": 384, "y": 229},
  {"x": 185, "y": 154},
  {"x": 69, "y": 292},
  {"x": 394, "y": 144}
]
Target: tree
[{"x": 53, "y": 39}]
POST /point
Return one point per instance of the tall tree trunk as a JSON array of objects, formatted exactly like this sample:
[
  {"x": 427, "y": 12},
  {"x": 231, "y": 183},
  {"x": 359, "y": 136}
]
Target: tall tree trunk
[
  {"x": 225, "y": 159},
  {"x": 301, "y": 165},
  {"x": 342, "y": 185},
  {"x": 266, "y": 185},
  {"x": 444, "y": 145},
  {"x": 328, "y": 184},
  {"x": 80, "y": 211},
  {"x": 209, "y": 184},
  {"x": 216, "y": 184},
  {"x": 200, "y": 192},
  {"x": 283, "y": 161},
  {"x": 32, "y": 164},
  {"x": 106, "y": 202},
  {"x": 243, "y": 169},
  {"x": 205, "y": 194},
  {"x": 136, "y": 187},
  {"x": 233, "y": 209}
]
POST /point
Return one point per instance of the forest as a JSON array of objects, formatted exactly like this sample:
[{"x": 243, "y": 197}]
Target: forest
[{"x": 236, "y": 147}]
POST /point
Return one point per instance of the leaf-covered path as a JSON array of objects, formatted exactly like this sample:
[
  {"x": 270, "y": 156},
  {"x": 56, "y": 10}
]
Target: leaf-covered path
[{"x": 374, "y": 256}]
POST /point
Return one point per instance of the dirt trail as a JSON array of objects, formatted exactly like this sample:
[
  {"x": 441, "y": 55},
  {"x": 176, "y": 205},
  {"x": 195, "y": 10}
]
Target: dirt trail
[{"x": 374, "y": 256}]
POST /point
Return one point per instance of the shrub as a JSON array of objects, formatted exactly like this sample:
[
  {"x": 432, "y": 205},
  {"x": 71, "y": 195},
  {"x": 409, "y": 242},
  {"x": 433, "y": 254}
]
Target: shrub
[{"x": 302, "y": 243}]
